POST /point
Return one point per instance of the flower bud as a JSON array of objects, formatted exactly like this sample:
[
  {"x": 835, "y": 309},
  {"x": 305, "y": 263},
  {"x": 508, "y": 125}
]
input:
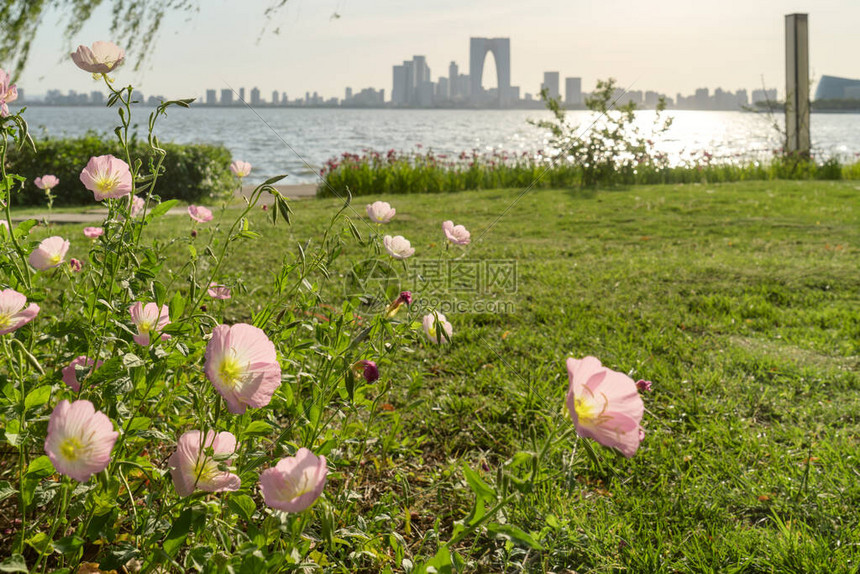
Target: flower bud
[
  {"x": 366, "y": 369},
  {"x": 394, "y": 307}
]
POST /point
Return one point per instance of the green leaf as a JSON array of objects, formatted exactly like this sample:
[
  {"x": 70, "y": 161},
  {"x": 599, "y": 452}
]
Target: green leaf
[
  {"x": 176, "y": 537},
  {"x": 14, "y": 563},
  {"x": 243, "y": 505},
  {"x": 177, "y": 305},
  {"x": 273, "y": 180},
  {"x": 160, "y": 292},
  {"x": 139, "y": 423},
  {"x": 6, "y": 490},
  {"x": 69, "y": 544},
  {"x": 40, "y": 542},
  {"x": 514, "y": 534},
  {"x": 257, "y": 428},
  {"x": 441, "y": 563},
  {"x": 22, "y": 230},
  {"x": 161, "y": 209},
  {"x": 477, "y": 484},
  {"x": 108, "y": 371},
  {"x": 40, "y": 468},
  {"x": 37, "y": 397},
  {"x": 178, "y": 329},
  {"x": 130, "y": 360}
]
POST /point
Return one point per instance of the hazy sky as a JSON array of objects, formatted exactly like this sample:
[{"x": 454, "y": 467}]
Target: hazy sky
[{"x": 668, "y": 45}]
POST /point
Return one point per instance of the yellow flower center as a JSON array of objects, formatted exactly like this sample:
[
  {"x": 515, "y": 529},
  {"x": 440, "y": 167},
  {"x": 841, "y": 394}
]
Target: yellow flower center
[
  {"x": 106, "y": 182},
  {"x": 70, "y": 448},
  {"x": 5, "y": 321},
  {"x": 230, "y": 371},
  {"x": 589, "y": 408},
  {"x": 585, "y": 411},
  {"x": 205, "y": 469},
  {"x": 55, "y": 259},
  {"x": 145, "y": 327}
]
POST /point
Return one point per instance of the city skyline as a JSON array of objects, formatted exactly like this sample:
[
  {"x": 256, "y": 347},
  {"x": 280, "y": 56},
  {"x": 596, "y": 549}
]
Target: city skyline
[{"x": 732, "y": 45}]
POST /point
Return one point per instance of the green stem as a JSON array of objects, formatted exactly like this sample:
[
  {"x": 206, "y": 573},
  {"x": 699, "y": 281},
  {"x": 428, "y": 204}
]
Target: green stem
[
  {"x": 61, "y": 511},
  {"x": 26, "y": 274}
]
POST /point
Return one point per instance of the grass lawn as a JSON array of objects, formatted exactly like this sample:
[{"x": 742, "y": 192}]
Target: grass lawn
[{"x": 741, "y": 302}]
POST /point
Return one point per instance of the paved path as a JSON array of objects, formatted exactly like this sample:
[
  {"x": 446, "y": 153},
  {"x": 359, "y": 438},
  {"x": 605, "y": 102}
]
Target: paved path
[{"x": 94, "y": 215}]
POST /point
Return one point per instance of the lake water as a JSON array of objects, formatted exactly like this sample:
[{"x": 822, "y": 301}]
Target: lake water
[{"x": 298, "y": 141}]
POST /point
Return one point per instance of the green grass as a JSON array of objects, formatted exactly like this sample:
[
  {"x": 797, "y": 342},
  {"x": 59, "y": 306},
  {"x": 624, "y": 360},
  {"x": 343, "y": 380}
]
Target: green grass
[{"x": 741, "y": 302}]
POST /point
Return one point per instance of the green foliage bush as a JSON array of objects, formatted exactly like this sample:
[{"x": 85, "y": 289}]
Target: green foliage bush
[{"x": 193, "y": 171}]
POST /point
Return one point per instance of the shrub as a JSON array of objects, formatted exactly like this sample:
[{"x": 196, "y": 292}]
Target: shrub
[{"x": 194, "y": 171}]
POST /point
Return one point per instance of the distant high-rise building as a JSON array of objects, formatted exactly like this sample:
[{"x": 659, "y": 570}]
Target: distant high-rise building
[
  {"x": 226, "y": 97},
  {"x": 550, "y": 83},
  {"x": 347, "y": 96},
  {"x": 256, "y": 100},
  {"x": 409, "y": 72},
  {"x": 242, "y": 94},
  {"x": 743, "y": 98},
  {"x": 398, "y": 87},
  {"x": 96, "y": 97},
  {"x": 274, "y": 97},
  {"x": 422, "y": 71},
  {"x": 453, "y": 73},
  {"x": 501, "y": 50},
  {"x": 652, "y": 98},
  {"x": 424, "y": 94},
  {"x": 702, "y": 98},
  {"x": 763, "y": 96},
  {"x": 573, "y": 91},
  {"x": 284, "y": 100},
  {"x": 211, "y": 98},
  {"x": 442, "y": 89}
]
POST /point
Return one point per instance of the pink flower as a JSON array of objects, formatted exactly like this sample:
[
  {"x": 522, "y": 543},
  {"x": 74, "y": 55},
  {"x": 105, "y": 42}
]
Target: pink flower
[
  {"x": 70, "y": 375},
  {"x": 456, "y": 234},
  {"x": 8, "y": 93},
  {"x": 240, "y": 168},
  {"x": 107, "y": 177},
  {"x": 242, "y": 365},
  {"x": 380, "y": 212},
  {"x": 50, "y": 253},
  {"x": 75, "y": 265},
  {"x": 219, "y": 291},
  {"x": 13, "y": 315},
  {"x": 643, "y": 385},
  {"x": 191, "y": 469},
  {"x": 199, "y": 213},
  {"x": 398, "y": 246},
  {"x": 604, "y": 405},
  {"x": 93, "y": 232},
  {"x": 137, "y": 205},
  {"x": 46, "y": 182},
  {"x": 79, "y": 439},
  {"x": 366, "y": 369},
  {"x": 102, "y": 58},
  {"x": 437, "y": 328},
  {"x": 148, "y": 319},
  {"x": 295, "y": 482}
]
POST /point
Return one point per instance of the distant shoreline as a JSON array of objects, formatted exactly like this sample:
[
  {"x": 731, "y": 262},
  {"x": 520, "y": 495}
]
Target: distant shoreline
[{"x": 777, "y": 108}]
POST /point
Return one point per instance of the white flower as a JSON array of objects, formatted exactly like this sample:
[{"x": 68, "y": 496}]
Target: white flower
[
  {"x": 398, "y": 246},
  {"x": 380, "y": 212}
]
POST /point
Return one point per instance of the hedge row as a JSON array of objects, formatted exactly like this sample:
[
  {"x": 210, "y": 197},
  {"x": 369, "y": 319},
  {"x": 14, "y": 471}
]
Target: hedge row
[{"x": 192, "y": 172}]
